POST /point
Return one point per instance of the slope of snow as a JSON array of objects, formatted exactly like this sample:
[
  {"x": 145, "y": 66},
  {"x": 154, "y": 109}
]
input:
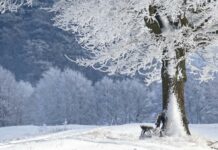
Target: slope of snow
[
  {"x": 23, "y": 132},
  {"x": 124, "y": 137},
  {"x": 208, "y": 131}
]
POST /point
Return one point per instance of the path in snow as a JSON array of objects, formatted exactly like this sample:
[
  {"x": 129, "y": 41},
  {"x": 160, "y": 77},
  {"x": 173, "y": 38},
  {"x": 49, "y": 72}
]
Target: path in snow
[{"x": 123, "y": 137}]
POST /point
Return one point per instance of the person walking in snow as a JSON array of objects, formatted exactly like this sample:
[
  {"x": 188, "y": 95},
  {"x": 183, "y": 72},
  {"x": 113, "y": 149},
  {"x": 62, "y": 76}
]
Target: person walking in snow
[{"x": 161, "y": 119}]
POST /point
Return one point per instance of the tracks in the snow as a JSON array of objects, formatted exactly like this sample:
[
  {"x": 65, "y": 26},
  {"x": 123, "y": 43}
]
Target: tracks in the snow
[
  {"x": 213, "y": 145},
  {"x": 108, "y": 137}
]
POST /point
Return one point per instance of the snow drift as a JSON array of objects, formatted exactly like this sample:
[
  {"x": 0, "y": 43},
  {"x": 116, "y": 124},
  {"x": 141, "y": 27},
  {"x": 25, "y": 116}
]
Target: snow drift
[{"x": 124, "y": 137}]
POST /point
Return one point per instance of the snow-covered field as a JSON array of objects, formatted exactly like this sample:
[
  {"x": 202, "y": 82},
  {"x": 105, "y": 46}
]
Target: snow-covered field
[{"x": 78, "y": 137}]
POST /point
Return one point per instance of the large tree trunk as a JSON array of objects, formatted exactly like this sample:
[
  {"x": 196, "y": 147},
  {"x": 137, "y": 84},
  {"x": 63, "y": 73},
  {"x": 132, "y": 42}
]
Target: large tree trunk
[
  {"x": 179, "y": 91},
  {"x": 177, "y": 84},
  {"x": 171, "y": 83}
]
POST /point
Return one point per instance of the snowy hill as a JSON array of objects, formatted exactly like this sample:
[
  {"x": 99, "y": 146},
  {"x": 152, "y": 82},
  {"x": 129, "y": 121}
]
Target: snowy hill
[
  {"x": 124, "y": 137},
  {"x": 28, "y": 38}
]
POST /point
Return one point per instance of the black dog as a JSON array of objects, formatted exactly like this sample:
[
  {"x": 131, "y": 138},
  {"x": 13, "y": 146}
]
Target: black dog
[{"x": 145, "y": 129}]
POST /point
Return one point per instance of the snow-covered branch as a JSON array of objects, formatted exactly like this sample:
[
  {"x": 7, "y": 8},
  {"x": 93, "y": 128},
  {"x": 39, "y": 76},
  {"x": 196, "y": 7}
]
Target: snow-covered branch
[
  {"x": 129, "y": 36},
  {"x": 13, "y": 5}
]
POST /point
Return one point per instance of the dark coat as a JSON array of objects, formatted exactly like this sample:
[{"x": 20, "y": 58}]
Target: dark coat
[{"x": 161, "y": 118}]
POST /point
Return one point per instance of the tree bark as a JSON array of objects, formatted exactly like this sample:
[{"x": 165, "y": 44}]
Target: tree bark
[
  {"x": 165, "y": 83},
  {"x": 179, "y": 90},
  {"x": 177, "y": 84},
  {"x": 178, "y": 81}
]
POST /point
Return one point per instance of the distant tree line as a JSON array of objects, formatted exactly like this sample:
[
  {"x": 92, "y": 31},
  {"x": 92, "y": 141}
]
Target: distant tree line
[
  {"x": 202, "y": 101},
  {"x": 13, "y": 96},
  {"x": 68, "y": 97}
]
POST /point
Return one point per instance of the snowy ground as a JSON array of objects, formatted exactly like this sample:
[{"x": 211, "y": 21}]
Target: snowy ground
[{"x": 77, "y": 137}]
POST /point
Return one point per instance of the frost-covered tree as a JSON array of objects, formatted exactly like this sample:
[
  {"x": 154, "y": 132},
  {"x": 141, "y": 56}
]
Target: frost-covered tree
[
  {"x": 63, "y": 96},
  {"x": 23, "y": 92},
  {"x": 209, "y": 110},
  {"x": 12, "y": 5},
  {"x": 126, "y": 101},
  {"x": 13, "y": 95},
  {"x": 7, "y": 92},
  {"x": 202, "y": 101},
  {"x": 79, "y": 96},
  {"x": 155, "y": 38}
]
